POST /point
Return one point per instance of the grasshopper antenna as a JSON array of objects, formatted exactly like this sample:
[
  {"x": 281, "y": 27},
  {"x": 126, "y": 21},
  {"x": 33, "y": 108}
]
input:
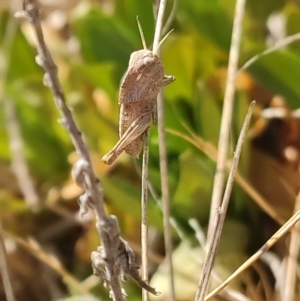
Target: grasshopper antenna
[
  {"x": 141, "y": 32},
  {"x": 163, "y": 39}
]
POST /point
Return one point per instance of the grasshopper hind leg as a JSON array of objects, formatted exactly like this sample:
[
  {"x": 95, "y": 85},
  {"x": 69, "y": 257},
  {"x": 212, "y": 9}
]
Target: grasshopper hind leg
[{"x": 132, "y": 135}]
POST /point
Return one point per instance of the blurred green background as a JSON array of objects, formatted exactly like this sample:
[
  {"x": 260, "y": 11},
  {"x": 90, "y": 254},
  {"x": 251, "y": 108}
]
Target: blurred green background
[{"x": 91, "y": 42}]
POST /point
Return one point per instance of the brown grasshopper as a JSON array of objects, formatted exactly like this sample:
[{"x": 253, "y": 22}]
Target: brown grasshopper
[{"x": 137, "y": 96}]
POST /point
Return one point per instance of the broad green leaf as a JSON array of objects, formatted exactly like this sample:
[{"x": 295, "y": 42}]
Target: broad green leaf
[
  {"x": 183, "y": 70},
  {"x": 207, "y": 115},
  {"x": 175, "y": 115},
  {"x": 4, "y": 142},
  {"x": 100, "y": 131},
  {"x": 127, "y": 11},
  {"x": 98, "y": 75},
  {"x": 211, "y": 21},
  {"x": 260, "y": 10},
  {"x": 103, "y": 39},
  {"x": 280, "y": 72},
  {"x": 192, "y": 197},
  {"x": 292, "y": 14},
  {"x": 45, "y": 151},
  {"x": 127, "y": 198},
  {"x": 21, "y": 54}
]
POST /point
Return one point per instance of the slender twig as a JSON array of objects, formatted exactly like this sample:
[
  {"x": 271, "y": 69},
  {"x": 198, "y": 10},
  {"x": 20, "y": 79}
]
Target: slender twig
[
  {"x": 228, "y": 293},
  {"x": 7, "y": 284},
  {"x": 144, "y": 198},
  {"x": 227, "y": 115},
  {"x": 280, "y": 233},
  {"x": 8, "y": 39},
  {"x": 221, "y": 213},
  {"x": 19, "y": 164},
  {"x": 199, "y": 233},
  {"x": 144, "y": 213},
  {"x": 82, "y": 170},
  {"x": 165, "y": 194},
  {"x": 279, "y": 44},
  {"x": 277, "y": 267},
  {"x": 291, "y": 266},
  {"x": 44, "y": 58},
  {"x": 163, "y": 161},
  {"x": 170, "y": 19},
  {"x": 156, "y": 43},
  {"x": 159, "y": 25},
  {"x": 51, "y": 261}
]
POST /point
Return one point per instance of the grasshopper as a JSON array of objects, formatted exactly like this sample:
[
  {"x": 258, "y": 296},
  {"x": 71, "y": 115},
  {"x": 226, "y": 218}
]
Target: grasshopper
[{"x": 137, "y": 99}]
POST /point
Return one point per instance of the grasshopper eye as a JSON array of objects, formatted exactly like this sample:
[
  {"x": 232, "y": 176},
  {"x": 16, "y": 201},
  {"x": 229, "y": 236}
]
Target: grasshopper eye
[{"x": 147, "y": 60}]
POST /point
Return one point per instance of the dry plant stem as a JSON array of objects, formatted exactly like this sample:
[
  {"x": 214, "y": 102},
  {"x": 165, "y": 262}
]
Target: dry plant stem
[
  {"x": 165, "y": 194},
  {"x": 259, "y": 199},
  {"x": 7, "y": 285},
  {"x": 228, "y": 294},
  {"x": 159, "y": 25},
  {"x": 93, "y": 191},
  {"x": 144, "y": 212},
  {"x": 280, "y": 233},
  {"x": 264, "y": 277},
  {"x": 158, "y": 29},
  {"x": 211, "y": 152},
  {"x": 275, "y": 264},
  {"x": 291, "y": 267},
  {"x": 36, "y": 251},
  {"x": 51, "y": 78},
  {"x": 8, "y": 38},
  {"x": 170, "y": 19},
  {"x": 221, "y": 213},
  {"x": 226, "y": 116},
  {"x": 199, "y": 233},
  {"x": 19, "y": 164},
  {"x": 173, "y": 222},
  {"x": 163, "y": 160}
]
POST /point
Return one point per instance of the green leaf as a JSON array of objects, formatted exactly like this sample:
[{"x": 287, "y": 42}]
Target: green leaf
[
  {"x": 210, "y": 20},
  {"x": 192, "y": 197},
  {"x": 127, "y": 198},
  {"x": 44, "y": 148},
  {"x": 280, "y": 72},
  {"x": 128, "y": 10},
  {"x": 98, "y": 75},
  {"x": 207, "y": 115},
  {"x": 21, "y": 63},
  {"x": 184, "y": 69},
  {"x": 4, "y": 143},
  {"x": 104, "y": 39}
]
